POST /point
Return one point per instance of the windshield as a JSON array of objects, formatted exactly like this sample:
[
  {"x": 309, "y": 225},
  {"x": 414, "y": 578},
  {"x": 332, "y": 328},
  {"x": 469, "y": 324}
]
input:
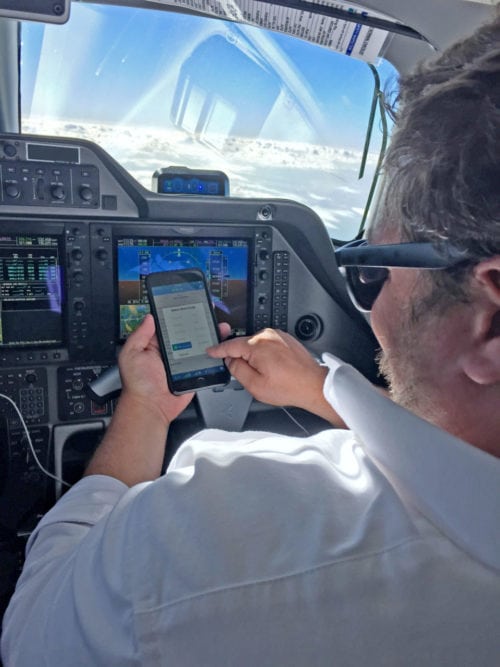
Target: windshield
[{"x": 279, "y": 116}]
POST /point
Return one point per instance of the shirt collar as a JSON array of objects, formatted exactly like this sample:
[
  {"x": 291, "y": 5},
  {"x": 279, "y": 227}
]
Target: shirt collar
[{"x": 456, "y": 485}]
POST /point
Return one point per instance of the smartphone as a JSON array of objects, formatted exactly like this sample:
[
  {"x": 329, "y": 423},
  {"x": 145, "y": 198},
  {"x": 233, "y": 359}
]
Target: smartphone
[{"x": 185, "y": 327}]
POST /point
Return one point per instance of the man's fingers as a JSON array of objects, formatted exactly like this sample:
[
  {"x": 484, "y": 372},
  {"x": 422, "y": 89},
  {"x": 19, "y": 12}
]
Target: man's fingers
[
  {"x": 224, "y": 330},
  {"x": 236, "y": 348},
  {"x": 243, "y": 372},
  {"x": 141, "y": 337}
]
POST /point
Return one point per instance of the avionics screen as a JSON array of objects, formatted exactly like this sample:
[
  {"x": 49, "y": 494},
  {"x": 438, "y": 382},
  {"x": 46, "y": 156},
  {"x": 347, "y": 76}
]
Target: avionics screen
[
  {"x": 30, "y": 291},
  {"x": 225, "y": 263}
]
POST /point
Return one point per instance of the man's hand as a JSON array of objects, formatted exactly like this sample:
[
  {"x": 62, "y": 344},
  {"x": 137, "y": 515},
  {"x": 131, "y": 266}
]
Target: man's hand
[
  {"x": 143, "y": 374},
  {"x": 276, "y": 369},
  {"x": 133, "y": 446}
]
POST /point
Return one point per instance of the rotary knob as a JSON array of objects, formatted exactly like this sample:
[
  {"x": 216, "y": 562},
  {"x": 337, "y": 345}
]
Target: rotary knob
[
  {"x": 78, "y": 306},
  {"x": 12, "y": 190},
  {"x": 10, "y": 150},
  {"x": 78, "y": 277},
  {"x": 86, "y": 193},
  {"x": 58, "y": 192},
  {"x": 309, "y": 327},
  {"x": 102, "y": 254}
]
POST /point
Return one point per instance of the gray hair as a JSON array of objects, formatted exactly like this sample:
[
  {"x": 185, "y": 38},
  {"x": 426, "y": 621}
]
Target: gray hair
[
  {"x": 451, "y": 62},
  {"x": 442, "y": 169}
]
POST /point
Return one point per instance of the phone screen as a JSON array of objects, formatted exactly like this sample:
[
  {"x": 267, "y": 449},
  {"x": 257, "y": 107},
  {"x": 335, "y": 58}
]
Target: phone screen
[{"x": 187, "y": 327}]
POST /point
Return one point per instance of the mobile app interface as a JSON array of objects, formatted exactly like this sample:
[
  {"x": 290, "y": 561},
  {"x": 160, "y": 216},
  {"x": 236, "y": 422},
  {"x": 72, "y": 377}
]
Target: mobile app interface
[{"x": 187, "y": 329}]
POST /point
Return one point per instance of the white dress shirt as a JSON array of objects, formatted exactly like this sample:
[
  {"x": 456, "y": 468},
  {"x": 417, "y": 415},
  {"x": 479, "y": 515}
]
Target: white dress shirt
[{"x": 377, "y": 546}]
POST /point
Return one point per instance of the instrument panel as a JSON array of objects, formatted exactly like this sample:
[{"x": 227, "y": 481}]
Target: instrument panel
[{"x": 78, "y": 235}]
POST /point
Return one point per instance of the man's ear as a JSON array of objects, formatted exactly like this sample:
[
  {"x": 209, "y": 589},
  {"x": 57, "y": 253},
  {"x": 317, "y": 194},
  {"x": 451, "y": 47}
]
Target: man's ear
[{"x": 482, "y": 361}]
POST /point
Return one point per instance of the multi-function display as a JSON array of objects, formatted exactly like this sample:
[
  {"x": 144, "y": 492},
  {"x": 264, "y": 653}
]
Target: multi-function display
[
  {"x": 225, "y": 263},
  {"x": 31, "y": 299}
]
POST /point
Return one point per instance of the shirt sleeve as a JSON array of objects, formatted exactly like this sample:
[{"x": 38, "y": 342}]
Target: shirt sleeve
[
  {"x": 74, "y": 602},
  {"x": 72, "y": 579}
]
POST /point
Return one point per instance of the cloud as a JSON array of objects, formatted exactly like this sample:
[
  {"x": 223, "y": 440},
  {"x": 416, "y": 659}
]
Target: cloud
[{"x": 321, "y": 177}]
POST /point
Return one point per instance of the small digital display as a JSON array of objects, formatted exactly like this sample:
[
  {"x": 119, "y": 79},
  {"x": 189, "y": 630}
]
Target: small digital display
[
  {"x": 185, "y": 181},
  {"x": 53, "y": 153},
  {"x": 225, "y": 263},
  {"x": 30, "y": 291},
  {"x": 182, "y": 185}
]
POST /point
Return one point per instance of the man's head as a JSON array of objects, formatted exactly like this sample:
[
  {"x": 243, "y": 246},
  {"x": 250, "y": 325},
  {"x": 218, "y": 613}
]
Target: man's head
[
  {"x": 442, "y": 176},
  {"x": 451, "y": 62},
  {"x": 443, "y": 167}
]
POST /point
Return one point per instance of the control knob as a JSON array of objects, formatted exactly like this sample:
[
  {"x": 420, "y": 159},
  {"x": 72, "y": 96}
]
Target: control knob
[
  {"x": 78, "y": 305},
  {"x": 10, "y": 150},
  {"x": 309, "y": 327},
  {"x": 102, "y": 254},
  {"x": 58, "y": 192},
  {"x": 78, "y": 277},
  {"x": 12, "y": 190},
  {"x": 86, "y": 193}
]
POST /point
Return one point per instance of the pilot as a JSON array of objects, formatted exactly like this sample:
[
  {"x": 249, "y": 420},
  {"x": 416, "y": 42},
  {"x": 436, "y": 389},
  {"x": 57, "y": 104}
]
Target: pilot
[{"x": 374, "y": 544}]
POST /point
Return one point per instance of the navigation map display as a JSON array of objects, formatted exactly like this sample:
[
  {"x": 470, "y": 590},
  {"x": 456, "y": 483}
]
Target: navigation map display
[
  {"x": 225, "y": 263},
  {"x": 30, "y": 291}
]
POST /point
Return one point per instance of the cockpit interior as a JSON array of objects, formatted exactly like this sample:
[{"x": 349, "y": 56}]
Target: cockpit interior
[{"x": 242, "y": 138}]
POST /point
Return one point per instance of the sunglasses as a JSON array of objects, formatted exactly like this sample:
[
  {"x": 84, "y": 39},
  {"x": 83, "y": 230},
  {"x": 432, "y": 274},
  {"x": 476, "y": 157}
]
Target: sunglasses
[{"x": 366, "y": 267}]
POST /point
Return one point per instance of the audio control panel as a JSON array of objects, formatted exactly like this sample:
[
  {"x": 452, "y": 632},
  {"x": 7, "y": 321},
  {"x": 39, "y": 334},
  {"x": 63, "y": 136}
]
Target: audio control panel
[
  {"x": 45, "y": 175},
  {"x": 45, "y": 185}
]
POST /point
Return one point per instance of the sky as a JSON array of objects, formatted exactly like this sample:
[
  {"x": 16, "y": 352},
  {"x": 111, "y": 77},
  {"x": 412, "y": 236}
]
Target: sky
[
  {"x": 231, "y": 89},
  {"x": 128, "y": 63}
]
